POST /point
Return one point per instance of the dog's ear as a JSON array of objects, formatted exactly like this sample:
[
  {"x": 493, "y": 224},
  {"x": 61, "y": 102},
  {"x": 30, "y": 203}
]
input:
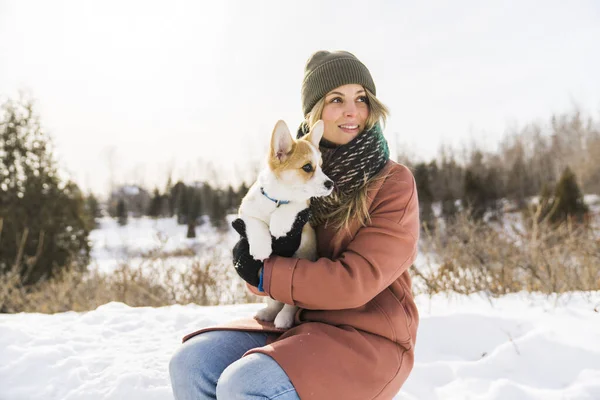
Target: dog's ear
[
  {"x": 281, "y": 141},
  {"x": 316, "y": 133}
]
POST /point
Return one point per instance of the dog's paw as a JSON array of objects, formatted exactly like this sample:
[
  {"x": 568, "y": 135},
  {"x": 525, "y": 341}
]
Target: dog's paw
[
  {"x": 266, "y": 314},
  {"x": 260, "y": 250},
  {"x": 284, "y": 320},
  {"x": 279, "y": 228}
]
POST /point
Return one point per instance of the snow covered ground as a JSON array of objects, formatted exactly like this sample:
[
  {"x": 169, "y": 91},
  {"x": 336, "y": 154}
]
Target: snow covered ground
[
  {"x": 112, "y": 243},
  {"x": 520, "y": 347}
]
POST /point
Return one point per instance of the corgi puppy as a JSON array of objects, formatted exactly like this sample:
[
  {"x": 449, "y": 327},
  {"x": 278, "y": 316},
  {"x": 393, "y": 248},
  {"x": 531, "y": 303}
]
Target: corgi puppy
[{"x": 284, "y": 187}]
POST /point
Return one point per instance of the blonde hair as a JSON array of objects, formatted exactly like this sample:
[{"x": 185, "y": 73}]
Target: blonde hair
[{"x": 354, "y": 207}]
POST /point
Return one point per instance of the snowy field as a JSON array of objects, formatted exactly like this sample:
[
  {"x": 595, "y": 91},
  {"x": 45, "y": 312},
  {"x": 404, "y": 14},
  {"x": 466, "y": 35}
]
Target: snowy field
[
  {"x": 518, "y": 347},
  {"x": 521, "y": 347},
  {"x": 112, "y": 244}
]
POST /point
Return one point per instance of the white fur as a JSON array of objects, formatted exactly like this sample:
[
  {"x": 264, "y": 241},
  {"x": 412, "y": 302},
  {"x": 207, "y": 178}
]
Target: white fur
[{"x": 264, "y": 218}]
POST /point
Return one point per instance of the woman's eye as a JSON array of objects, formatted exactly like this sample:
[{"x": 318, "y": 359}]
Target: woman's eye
[
  {"x": 336, "y": 100},
  {"x": 363, "y": 99},
  {"x": 307, "y": 168}
]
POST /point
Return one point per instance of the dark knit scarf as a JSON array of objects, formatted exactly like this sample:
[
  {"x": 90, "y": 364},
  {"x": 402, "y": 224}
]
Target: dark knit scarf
[{"x": 349, "y": 166}]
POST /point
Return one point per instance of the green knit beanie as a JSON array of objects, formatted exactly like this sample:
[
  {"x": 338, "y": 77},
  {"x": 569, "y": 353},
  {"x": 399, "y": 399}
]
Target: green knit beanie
[{"x": 326, "y": 70}]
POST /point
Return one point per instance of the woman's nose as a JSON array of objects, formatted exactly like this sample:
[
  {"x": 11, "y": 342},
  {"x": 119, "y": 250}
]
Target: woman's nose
[{"x": 350, "y": 109}]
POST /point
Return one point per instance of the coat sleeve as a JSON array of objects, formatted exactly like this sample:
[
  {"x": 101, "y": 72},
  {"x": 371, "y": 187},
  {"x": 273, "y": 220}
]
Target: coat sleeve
[
  {"x": 254, "y": 290},
  {"x": 377, "y": 255}
]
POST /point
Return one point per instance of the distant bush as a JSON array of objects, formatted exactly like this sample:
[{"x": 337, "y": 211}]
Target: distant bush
[
  {"x": 154, "y": 282},
  {"x": 566, "y": 203},
  {"x": 468, "y": 256}
]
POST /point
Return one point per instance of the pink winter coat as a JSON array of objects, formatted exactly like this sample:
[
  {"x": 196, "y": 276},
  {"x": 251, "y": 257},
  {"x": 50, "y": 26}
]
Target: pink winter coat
[{"x": 355, "y": 333}]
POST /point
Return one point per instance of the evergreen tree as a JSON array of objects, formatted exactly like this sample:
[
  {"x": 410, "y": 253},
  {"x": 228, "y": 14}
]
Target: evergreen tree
[
  {"x": 44, "y": 222},
  {"x": 167, "y": 198},
  {"x": 122, "y": 212},
  {"x": 194, "y": 202},
  {"x": 493, "y": 189},
  {"x": 569, "y": 204},
  {"x": 175, "y": 194},
  {"x": 519, "y": 184},
  {"x": 208, "y": 203},
  {"x": 482, "y": 188},
  {"x": 183, "y": 203},
  {"x": 156, "y": 204},
  {"x": 92, "y": 208},
  {"x": 231, "y": 200},
  {"x": 218, "y": 210},
  {"x": 449, "y": 179},
  {"x": 427, "y": 217},
  {"x": 449, "y": 209},
  {"x": 191, "y": 230},
  {"x": 546, "y": 202},
  {"x": 475, "y": 195},
  {"x": 241, "y": 193},
  {"x": 434, "y": 173}
]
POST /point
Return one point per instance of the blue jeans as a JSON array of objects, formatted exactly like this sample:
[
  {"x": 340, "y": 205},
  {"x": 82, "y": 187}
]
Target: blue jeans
[{"x": 210, "y": 366}]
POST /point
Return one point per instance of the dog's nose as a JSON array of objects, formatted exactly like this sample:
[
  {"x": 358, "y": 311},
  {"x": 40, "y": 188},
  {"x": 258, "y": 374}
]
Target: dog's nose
[{"x": 328, "y": 184}]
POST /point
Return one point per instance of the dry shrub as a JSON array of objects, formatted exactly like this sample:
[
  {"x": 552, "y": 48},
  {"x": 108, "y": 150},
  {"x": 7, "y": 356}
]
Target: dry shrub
[
  {"x": 209, "y": 280},
  {"x": 467, "y": 256},
  {"x": 162, "y": 254}
]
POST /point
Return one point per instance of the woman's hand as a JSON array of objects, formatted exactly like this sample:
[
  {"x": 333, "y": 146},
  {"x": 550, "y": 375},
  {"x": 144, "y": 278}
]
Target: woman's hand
[
  {"x": 286, "y": 246},
  {"x": 245, "y": 265},
  {"x": 248, "y": 268}
]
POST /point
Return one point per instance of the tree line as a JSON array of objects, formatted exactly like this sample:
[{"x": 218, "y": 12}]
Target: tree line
[
  {"x": 556, "y": 162},
  {"x": 192, "y": 204},
  {"x": 45, "y": 221}
]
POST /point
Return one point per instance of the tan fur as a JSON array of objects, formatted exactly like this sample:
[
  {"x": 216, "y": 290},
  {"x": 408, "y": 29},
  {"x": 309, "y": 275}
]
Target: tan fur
[
  {"x": 308, "y": 244},
  {"x": 299, "y": 155}
]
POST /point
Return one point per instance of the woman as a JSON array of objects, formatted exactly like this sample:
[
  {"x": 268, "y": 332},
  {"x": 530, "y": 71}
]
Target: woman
[{"x": 355, "y": 333}]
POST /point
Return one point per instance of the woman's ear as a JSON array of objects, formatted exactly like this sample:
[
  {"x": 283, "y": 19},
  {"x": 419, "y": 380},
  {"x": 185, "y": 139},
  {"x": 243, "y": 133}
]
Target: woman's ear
[
  {"x": 281, "y": 141},
  {"x": 316, "y": 133}
]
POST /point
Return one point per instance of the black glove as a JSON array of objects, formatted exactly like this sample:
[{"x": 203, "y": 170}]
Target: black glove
[
  {"x": 246, "y": 266},
  {"x": 287, "y": 245}
]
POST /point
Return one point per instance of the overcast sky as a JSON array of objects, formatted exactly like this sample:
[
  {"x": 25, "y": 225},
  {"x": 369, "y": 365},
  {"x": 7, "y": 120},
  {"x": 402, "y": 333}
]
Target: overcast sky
[{"x": 173, "y": 85}]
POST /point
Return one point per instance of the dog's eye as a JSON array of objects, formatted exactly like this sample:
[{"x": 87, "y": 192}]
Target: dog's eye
[{"x": 307, "y": 168}]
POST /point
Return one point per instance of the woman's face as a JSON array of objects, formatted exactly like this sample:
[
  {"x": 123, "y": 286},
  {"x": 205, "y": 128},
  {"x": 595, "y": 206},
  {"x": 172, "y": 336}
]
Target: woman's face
[{"x": 345, "y": 112}]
